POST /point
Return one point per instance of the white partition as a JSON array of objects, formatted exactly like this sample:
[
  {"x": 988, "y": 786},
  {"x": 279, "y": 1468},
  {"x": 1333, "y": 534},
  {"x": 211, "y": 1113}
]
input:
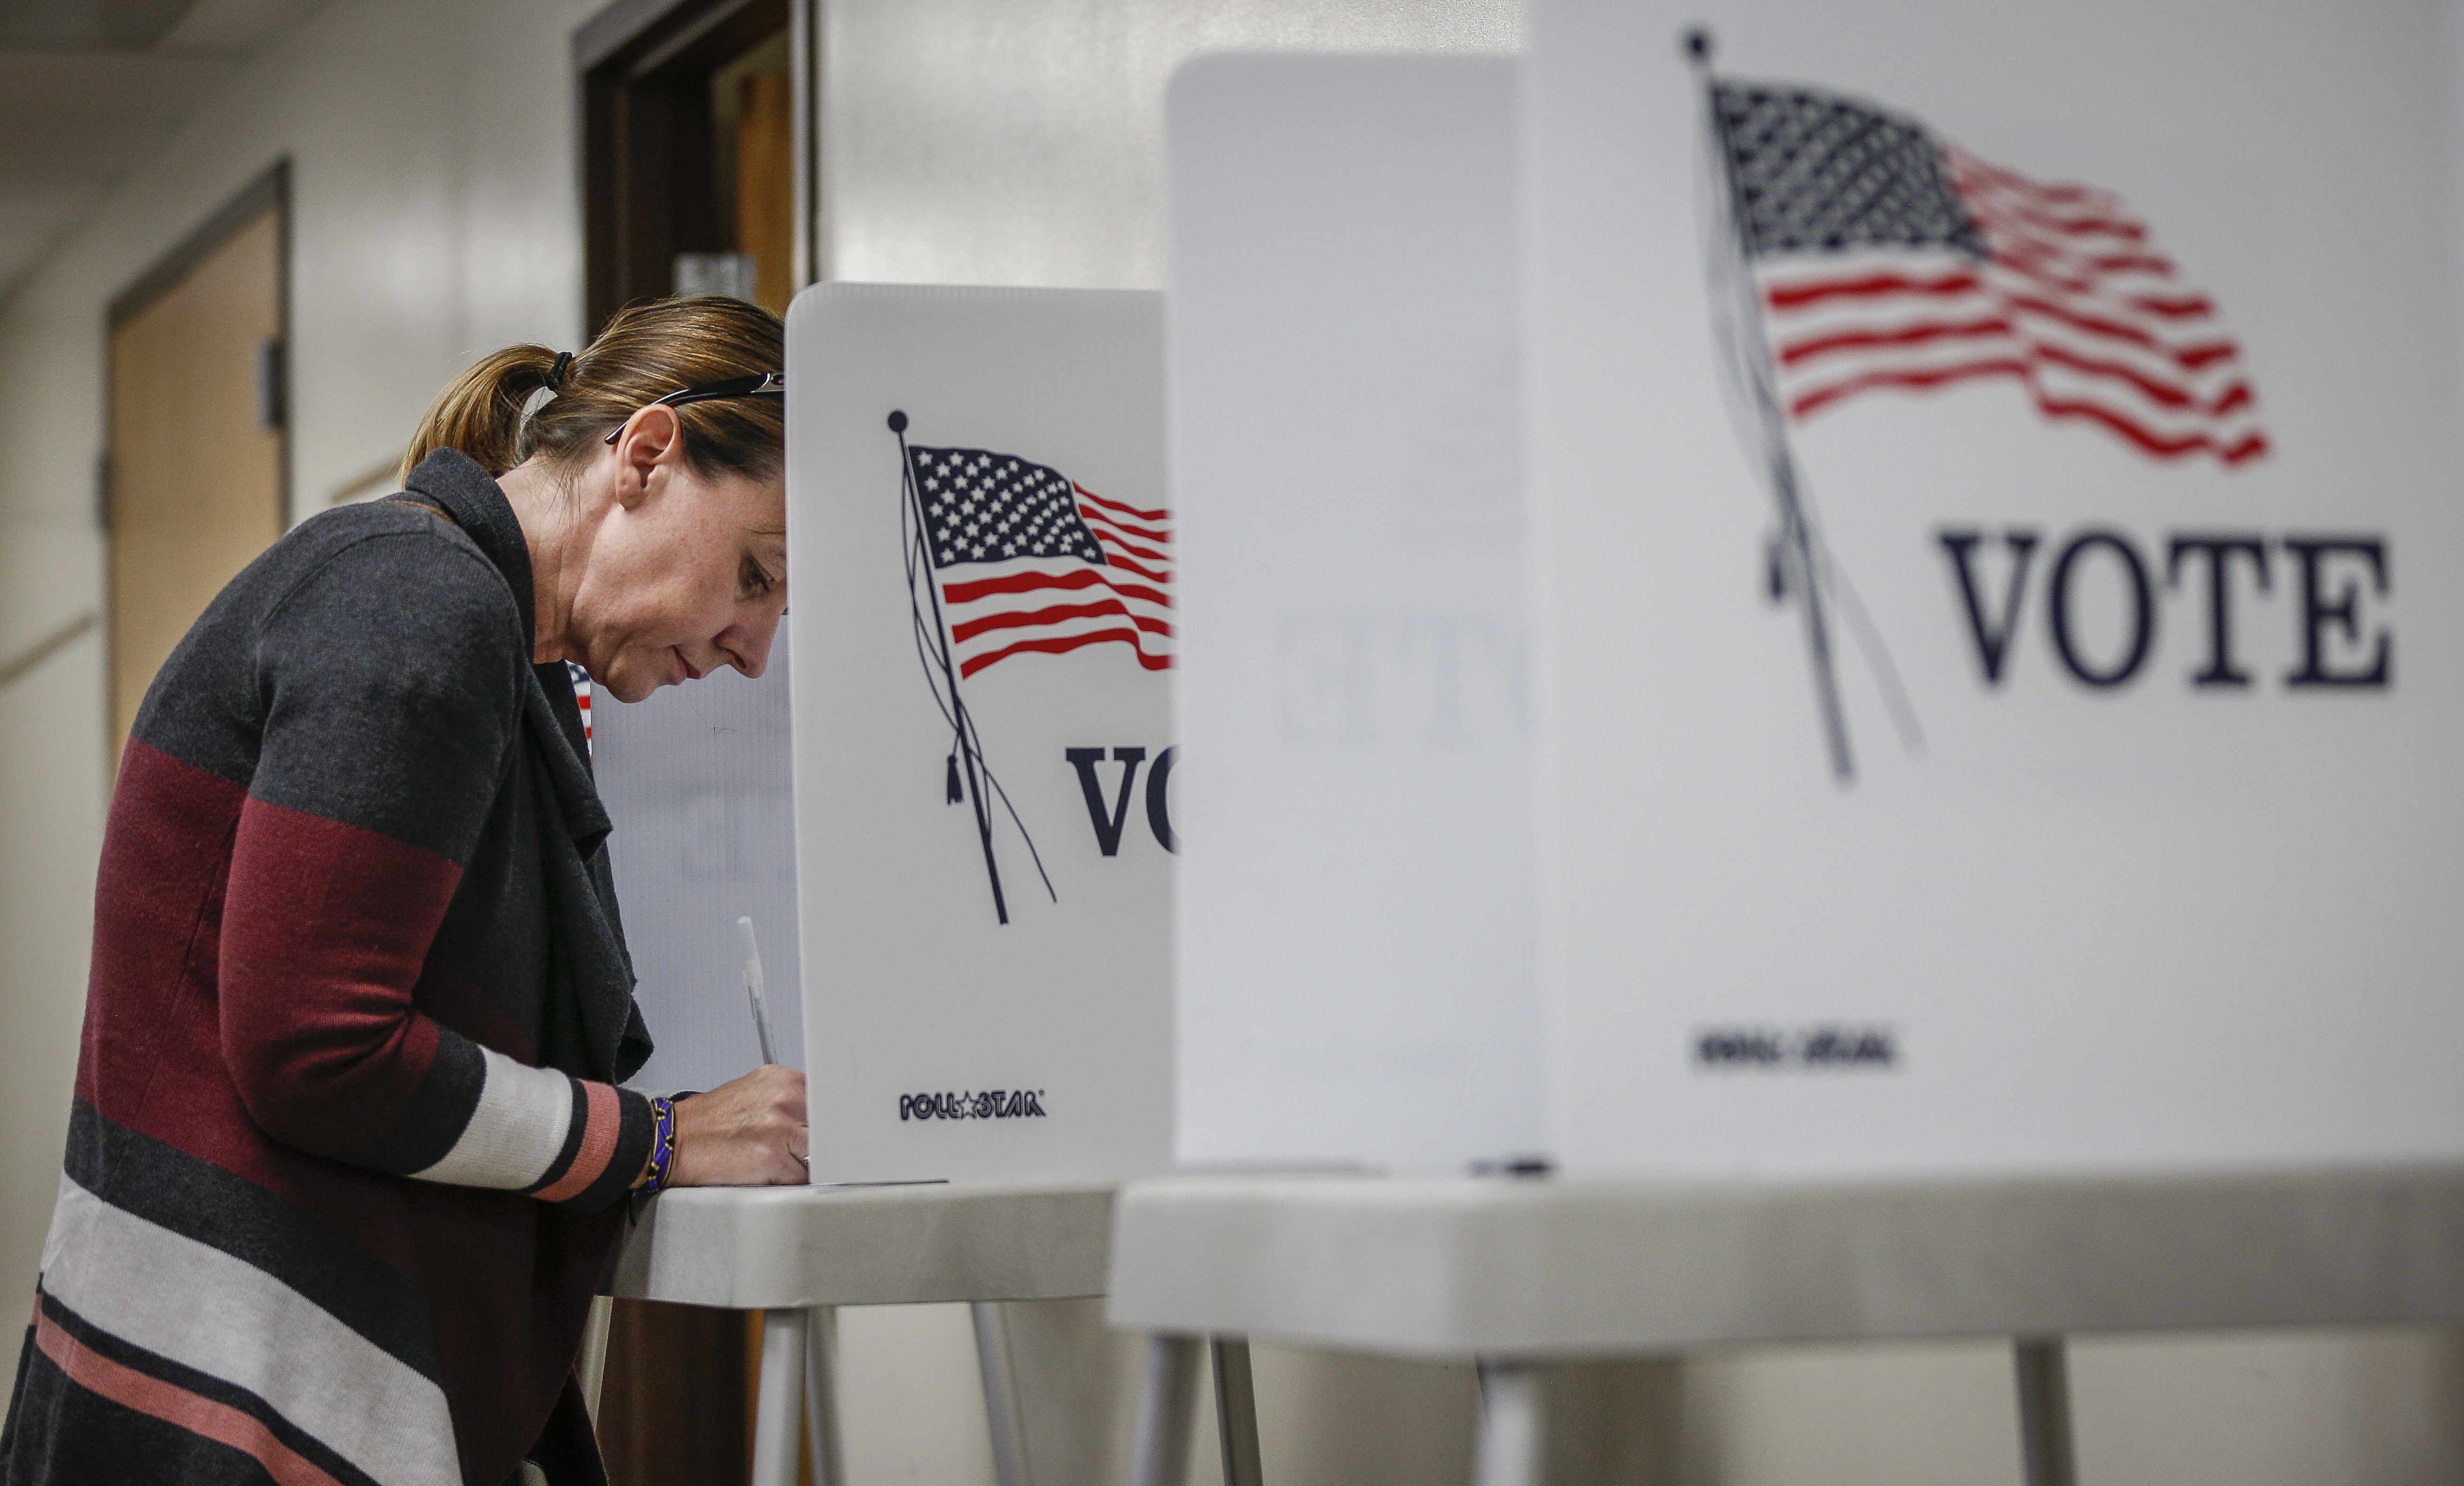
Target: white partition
[
  {"x": 1358, "y": 981},
  {"x": 697, "y": 779},
  {"x": 980, "y": 557},
  {"x": 2014, "y": 725}
]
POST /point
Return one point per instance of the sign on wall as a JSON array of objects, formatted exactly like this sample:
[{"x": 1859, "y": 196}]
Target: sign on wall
[
  {"x": 983, "y": 557},
  {"x": 1999, "y": 476},
  {"x": 1357, "y": 954}
]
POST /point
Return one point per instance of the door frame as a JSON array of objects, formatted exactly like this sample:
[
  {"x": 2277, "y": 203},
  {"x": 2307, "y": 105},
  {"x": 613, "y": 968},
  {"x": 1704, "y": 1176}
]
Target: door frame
[
  {"x": 631, "y": 63},
  {"x": 271, "y": 187}
]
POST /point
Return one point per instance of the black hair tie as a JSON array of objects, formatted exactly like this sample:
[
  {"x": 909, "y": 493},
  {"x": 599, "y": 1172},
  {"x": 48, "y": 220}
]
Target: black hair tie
[{"x": 556, "y": 374}]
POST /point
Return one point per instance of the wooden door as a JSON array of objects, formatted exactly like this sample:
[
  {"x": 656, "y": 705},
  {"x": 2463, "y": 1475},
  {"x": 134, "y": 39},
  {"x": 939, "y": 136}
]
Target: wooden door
[
  {"x": 195, "y": 464},
  {"x": 765, "y": 186}
]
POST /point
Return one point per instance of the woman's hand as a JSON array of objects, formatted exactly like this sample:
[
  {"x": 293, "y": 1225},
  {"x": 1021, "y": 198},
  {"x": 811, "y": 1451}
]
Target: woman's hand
[{"x": 747, "y": 1133}]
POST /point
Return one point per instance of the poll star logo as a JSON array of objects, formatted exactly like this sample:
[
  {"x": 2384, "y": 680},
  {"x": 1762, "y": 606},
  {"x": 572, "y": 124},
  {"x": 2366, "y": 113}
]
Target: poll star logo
[
  {"x": 1853, "y": 250},
  {"x": 1008, "y": 558}
]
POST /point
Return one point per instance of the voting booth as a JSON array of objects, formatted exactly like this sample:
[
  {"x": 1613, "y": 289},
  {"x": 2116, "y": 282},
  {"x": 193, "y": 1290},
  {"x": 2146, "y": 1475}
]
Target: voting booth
[
  {"x": 1359, "y": 955},
  {"x": 948, "y": 805},
  {"x": 1999, "y": 628},
  {"x": 1986, "y": 541},
  {"x": 1994, "y": 662},
  {"x": 953, "y": 830},
  {"x": 983, "y": 557}
]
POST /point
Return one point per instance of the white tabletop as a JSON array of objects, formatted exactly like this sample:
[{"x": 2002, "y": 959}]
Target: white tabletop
[
  {"x": 1556, "y": 1267},
  {"x": 758, "y": 1247}
]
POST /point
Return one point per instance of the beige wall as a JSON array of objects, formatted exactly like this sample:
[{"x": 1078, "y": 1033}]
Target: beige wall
[{"x": 985, "y": 140}]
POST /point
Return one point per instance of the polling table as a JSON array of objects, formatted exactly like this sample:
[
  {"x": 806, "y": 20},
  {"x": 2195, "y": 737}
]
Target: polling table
[
  {"x": 798, "y": 1252},
  {"x": 1518, "y": 1273}
]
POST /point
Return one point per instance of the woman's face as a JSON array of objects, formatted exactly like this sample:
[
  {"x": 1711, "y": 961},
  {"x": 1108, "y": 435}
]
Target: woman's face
[{"x": 680, "y": 574}]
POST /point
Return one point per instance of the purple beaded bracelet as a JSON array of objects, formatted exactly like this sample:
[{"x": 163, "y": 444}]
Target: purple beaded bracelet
[{"x": 663, "y": 1144}]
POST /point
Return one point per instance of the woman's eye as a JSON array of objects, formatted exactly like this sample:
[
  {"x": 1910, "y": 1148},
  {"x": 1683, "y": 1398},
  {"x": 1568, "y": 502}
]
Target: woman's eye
[{"x": 757, "y": 581}]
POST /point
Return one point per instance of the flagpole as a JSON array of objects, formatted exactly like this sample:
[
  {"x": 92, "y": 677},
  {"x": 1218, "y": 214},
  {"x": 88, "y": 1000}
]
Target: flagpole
[
  {"x": 965, "y": 725},
  {"x": 1754, "y": 362}
]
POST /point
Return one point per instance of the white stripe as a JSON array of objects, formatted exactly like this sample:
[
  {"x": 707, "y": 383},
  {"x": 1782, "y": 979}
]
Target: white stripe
[
  {"x": 515, "y": 1134},
  {"x": 224, "y": 1316}
]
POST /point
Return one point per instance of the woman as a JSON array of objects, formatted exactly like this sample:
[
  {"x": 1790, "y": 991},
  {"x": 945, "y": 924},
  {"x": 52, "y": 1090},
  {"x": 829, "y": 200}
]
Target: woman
[{"x": 348, "y": 1152}]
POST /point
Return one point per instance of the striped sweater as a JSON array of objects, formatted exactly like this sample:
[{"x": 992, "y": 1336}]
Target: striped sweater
[{"x": 346, "y": 1152}]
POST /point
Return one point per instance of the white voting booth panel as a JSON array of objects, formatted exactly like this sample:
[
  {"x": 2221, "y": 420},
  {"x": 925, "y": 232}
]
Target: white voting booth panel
[
  {"x": 980, "y": 546},
  {"x": 1358, "y": 981},
  {"x": 2011, "y": 724},
  {"x": 697, "y": 779}
]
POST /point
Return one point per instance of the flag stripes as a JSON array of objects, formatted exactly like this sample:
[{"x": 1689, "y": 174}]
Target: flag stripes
[
  {"x": 1053, "y": 606},
  {"x": 2073, "y": 300}
]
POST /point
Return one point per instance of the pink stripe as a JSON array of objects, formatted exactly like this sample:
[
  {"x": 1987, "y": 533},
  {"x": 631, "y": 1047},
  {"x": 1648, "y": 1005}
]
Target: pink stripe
[
  {"x": 172, "y": 1404},
  {"x": 598, "y": 1144}
]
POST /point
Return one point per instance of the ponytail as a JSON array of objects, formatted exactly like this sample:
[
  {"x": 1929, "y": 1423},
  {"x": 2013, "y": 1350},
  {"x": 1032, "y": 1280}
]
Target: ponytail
[
  {"x": 481, "y": 413},
  {"x": 648, "y": 351}
]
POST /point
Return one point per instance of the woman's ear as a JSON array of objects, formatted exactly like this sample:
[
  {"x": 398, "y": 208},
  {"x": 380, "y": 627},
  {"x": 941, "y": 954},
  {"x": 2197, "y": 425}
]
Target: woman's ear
[{"x": 648, "y": 453}]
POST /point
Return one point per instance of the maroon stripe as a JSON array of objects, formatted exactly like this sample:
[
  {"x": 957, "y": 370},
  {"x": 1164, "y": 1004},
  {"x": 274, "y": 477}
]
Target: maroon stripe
[
  {"x": 324, "y": 937},
  {"x": 157, "y": 904}
]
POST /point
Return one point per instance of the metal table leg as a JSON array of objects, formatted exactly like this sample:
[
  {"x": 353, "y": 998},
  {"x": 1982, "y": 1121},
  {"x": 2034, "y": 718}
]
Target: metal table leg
[
  {"x": 1236, "y": 1411},
  {"x": 1507, "y": 1453},
  {"x": 1000, "y": 1395},
  {"x": 1167, "y": 1398},
  {"x": 2044, "y": 1412},
  {"x": 591, "y": 1367},
  {"x": 821, "y": 1396},
  {"x": 778, "y": 1425}
]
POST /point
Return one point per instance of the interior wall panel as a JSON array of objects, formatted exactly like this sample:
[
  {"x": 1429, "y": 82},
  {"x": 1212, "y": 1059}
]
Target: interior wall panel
[{"x": 1021, "y": 141}]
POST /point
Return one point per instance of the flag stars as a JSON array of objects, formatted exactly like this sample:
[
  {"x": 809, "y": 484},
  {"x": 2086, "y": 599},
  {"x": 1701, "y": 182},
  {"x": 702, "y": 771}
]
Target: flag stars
[{"x": 985, "y": 507}]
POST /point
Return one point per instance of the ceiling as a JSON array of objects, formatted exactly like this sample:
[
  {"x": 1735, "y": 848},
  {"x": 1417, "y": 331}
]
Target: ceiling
[{"x": 87, "y": 86}]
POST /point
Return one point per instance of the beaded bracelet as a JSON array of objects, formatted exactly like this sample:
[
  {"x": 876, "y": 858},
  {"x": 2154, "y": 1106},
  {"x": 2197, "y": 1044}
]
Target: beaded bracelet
[{"x": 663, "y": 1144}]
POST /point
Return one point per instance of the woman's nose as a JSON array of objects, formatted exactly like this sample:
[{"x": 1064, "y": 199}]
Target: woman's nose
[{"x": 750, "y": 643}]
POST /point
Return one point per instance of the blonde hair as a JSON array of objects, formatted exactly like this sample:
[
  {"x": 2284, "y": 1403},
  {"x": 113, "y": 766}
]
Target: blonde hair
[{"x": 647, "y": 351}]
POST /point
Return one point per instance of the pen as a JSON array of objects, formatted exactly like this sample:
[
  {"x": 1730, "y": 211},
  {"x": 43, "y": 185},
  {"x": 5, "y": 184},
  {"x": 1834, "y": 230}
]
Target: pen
[{"x": 753, "y": 989}]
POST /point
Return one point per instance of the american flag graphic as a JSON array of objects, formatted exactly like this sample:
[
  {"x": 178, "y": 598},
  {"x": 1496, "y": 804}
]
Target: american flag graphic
[
  {"x": 1031, "y": 562},
  {"x": 1886, "y": 257}
]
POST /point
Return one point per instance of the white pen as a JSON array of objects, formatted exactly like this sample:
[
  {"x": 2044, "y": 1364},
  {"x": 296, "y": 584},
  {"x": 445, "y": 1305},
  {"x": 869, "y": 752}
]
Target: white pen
[{"x": 753, "y": 989}]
